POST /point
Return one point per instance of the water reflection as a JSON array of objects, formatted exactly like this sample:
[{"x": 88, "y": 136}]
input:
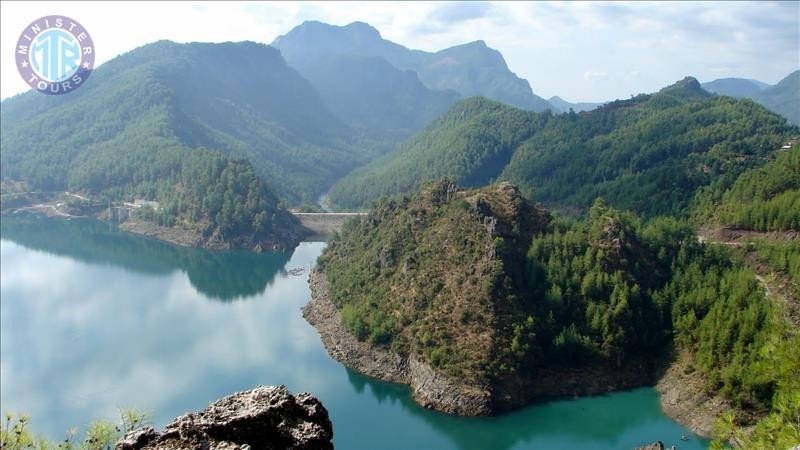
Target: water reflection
[
  {"x": 615, "y": 421},
  {"x": 81, "y": 339},
  {"x": 218, "y": 275},
  {"x": 100, "y": 320}
]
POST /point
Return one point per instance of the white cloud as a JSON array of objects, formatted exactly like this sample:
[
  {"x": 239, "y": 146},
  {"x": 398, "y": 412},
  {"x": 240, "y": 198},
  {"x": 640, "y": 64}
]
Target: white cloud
[
  {"x": 549, "y": 43},
  {"x": 595, "y": 75}
]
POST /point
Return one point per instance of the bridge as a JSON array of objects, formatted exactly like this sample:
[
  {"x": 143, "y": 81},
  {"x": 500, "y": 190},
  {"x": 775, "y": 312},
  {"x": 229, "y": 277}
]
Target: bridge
[{"x": 325, "y": 223}]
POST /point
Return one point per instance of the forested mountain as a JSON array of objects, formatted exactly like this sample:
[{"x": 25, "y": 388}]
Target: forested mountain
[
  {"x": 649, "y": 154},
  {"x": 763, "y": 199},
  {"x": 560, "y": 105},
  {"x": 237, "y": 98},
  {"x": 397, "y": 262},
  {"x": 470, "y": 144},
  {"x": 470, "y": 69},
  {"x": 782, "y": 98},
  {"x": 609, "y": 292}
]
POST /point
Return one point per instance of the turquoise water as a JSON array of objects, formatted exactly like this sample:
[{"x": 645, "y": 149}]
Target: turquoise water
[{"x": 92, "y": 319}]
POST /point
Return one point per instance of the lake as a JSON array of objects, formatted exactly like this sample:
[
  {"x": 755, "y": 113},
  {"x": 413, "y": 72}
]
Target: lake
[{"x": 93, "y": 319}]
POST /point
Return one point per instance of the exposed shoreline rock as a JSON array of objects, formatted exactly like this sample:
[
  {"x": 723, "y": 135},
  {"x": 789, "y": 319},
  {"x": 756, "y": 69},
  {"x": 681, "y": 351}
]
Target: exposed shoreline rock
[
  {"x": 684, "y": 398},
  {"x": 262, "y": 418},
  {"x": 190, "y": 238},
  {"x": 435, "y": 390},
  {"x": 172, "y": 235},
  {"x": 430, "y": 388}
]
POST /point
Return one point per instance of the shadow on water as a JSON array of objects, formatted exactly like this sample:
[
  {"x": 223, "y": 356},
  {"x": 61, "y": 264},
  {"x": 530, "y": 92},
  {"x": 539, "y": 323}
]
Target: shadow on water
[
  {"x": 602, "y": 421},
  {"x": 223, "y": 276}
]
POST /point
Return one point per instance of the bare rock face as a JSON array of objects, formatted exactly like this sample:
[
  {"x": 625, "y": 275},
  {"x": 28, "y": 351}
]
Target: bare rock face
[{"x": 262, "y": 418}]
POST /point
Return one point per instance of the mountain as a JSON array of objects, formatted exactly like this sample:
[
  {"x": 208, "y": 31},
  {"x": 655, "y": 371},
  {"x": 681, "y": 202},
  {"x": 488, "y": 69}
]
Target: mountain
[
  {"x": 371, "y": 95},
  {"x": 245, "y": 102},
  {"x": 562, "y": 106},
  {"x": 782, "y": 98},
  {"x": 649, "y": 154},
  {"x": 215, "y": 147},
  {"x": 766, "y": 198},
  {"x": 470, "y": 69},
  {"x": 735, "y": 87},
  {"x": 436, "y": 280},
  {"x": 481, "y": 303},
  {"x": 471, "y": 144}
]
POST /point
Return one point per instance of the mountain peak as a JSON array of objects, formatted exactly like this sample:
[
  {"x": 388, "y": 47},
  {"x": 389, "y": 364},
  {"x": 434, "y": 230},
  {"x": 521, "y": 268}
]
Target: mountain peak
[
  {"x": 363, "y": 28},
  {"x": 685, "y": 88}
]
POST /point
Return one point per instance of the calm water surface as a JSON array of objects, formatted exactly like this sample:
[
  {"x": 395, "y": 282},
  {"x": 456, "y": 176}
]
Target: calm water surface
[{"x": 92, "y": 319}]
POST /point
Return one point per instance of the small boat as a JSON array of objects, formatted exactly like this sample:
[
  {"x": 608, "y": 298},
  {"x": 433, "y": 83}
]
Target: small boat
[{"x": 684, "y": 437}]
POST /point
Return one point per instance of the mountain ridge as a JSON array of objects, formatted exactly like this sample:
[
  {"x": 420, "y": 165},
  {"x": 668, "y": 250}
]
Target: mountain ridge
[{"x": 462, "y": 68}]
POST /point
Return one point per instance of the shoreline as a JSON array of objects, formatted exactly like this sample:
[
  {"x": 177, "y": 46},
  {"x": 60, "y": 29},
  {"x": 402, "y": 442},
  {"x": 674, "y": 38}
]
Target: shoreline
[
  {"x": 684, "y": 399},
  {"x": 172, "y": 235},
  {"x": 434, "y": 390}
]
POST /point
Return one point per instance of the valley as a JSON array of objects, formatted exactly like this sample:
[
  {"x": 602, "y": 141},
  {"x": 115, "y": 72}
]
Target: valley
[{"x": 438, "y": 254}]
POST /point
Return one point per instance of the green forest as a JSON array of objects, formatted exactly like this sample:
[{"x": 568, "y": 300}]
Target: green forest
[
  {"x": 763, "y": 199},
  {"x": 143, "y": 100},
  {"x": 650, "y": 154},
  {"x": 611, "y": 288}
]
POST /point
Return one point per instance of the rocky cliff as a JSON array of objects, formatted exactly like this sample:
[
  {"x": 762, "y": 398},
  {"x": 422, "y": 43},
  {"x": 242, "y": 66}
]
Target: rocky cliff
[{"x": 262, "y": 418}]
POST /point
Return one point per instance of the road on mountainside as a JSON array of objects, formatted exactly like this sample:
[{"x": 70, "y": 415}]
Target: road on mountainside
[{"x": 777, "y": 285}]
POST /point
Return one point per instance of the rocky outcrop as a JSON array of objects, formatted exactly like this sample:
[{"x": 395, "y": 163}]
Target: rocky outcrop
[
  {"x": 434, "y": 389},
  {"x": 262, "y": 418}
]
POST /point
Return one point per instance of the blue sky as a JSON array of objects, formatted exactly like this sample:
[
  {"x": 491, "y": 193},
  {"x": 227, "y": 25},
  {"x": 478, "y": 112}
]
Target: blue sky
[{"x": 580, "y": 51}]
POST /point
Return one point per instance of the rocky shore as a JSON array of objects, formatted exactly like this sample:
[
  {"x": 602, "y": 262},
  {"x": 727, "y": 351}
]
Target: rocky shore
[
  {"x": 433, "y": 389},
  {"x": 176, "y": 236},
  {"x": 684, "y": 398},
  {"x": 430, "y": 388},
  {"x": 262, "y": 418},
  {"x": 191, "y": 238}
]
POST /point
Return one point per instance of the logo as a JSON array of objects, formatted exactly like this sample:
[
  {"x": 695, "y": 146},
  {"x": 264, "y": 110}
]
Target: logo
[{"x": 55, "y": 55}]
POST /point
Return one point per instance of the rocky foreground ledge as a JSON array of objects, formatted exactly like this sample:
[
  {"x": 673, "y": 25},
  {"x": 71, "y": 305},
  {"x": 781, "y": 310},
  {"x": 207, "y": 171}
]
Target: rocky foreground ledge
[{"x": 262, "y": 418}]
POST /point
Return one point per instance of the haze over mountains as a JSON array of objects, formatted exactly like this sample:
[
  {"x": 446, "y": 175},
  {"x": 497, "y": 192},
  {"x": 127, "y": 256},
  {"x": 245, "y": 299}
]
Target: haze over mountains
[
  {"x": 783, "y": 97},
  {"x": 317, "y": 51}
]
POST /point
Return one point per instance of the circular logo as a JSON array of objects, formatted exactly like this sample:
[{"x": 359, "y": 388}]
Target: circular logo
[{"x": 55, "y": 55}]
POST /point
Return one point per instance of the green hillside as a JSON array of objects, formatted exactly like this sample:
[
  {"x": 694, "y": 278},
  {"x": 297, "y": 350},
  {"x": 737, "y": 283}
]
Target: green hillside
[
  {"x": 250, "y": 105},
  {"x": 762, "y": 199},
  {"x": 648, "y": 154},
  {"x": 470, "y": 144},
  {"x": 425, "y": 275}
]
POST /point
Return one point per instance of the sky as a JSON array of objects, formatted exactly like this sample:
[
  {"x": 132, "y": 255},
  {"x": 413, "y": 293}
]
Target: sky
[{"x": 594, "y": 51}]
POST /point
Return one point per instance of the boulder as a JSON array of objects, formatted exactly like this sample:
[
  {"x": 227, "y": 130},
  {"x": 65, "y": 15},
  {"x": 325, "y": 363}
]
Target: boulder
[{"x": 266, "y": 417}]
